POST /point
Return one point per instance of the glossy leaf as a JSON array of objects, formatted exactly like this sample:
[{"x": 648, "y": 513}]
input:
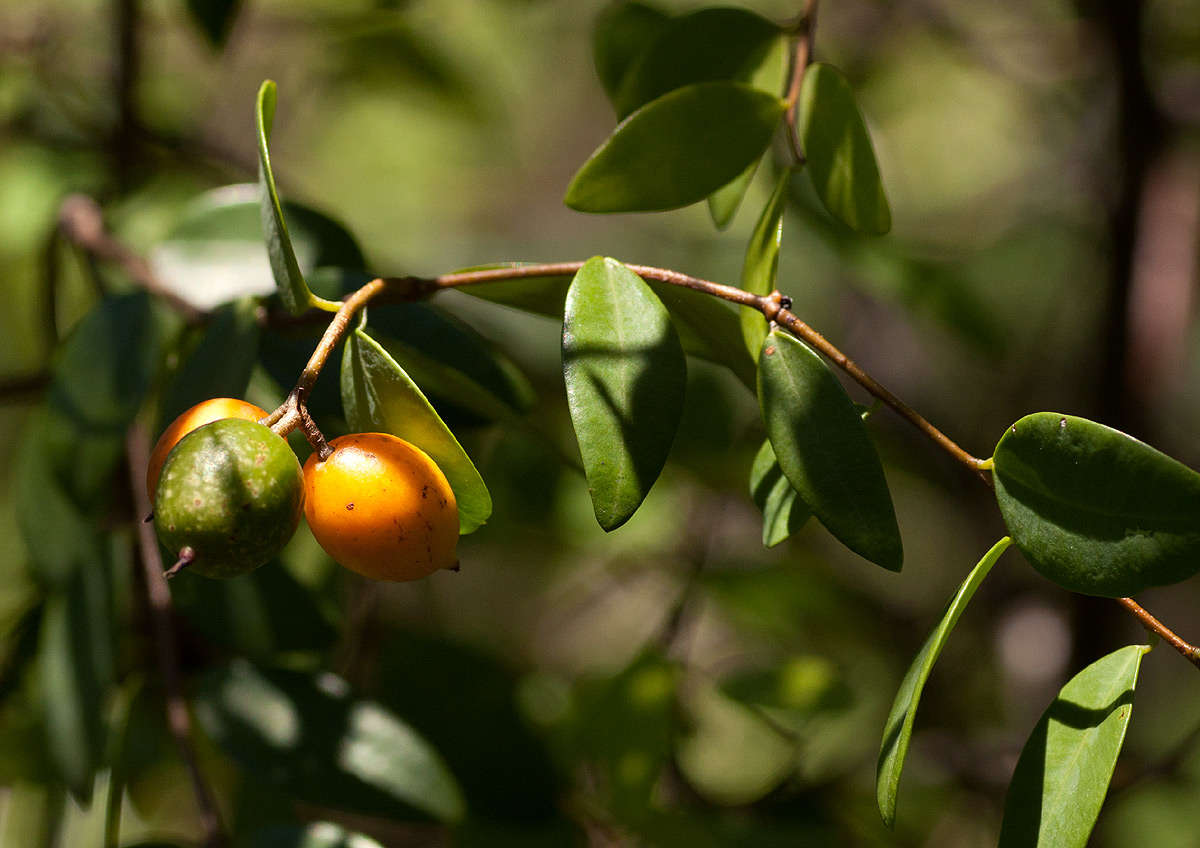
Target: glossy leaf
[
  {"x": 215, "y": 253},
  {"x": 822, "y": 446},
  {"x": 1065, "y": 767},
  {"x": 313, "y": 835},
  {"x": 214, "y": 18},
  {"x": 761, "y": 265},
  {"x": 707, "y": 327},
  {"x": 622, "y": 33},
  {"x": 784, "y": 511},
  {"x": 897, "y": 730},
  {"x": 710, "y": 45},
  {"x": 309, "y": 736},
  {"x": 677, "y": 149},
  {"x": 1095, "y": 510},
  {"x": 220, "y": 363},
  {"x": 837, "y": 147},
  {"x": 293, "y": 291},
  {"x": 724, "y": 202},
  {"x": 625, "y": 376},
  {"x": 379, "y": 397}
]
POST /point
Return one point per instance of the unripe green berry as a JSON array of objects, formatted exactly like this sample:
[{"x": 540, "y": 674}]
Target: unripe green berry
[{"x": 233, "y": 492}]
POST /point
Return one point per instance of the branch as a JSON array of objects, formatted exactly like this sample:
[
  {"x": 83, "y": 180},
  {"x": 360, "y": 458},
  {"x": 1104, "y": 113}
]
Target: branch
[
  {"x": 1190, "y": 652},
  {"x": 802, "y": 51},
  {"x": 159, "y": 601},
  {"x": 82, "y": 223}
]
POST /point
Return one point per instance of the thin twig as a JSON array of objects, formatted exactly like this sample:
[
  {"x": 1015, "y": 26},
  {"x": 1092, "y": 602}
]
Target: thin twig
[
  {"x": 82, "y": 223},
  {"x": 23, "y": 387},
  {"x": 802, "y": 51},
  {"x": 1191, "y": 652},
  {"x": 159, "y": 600}
]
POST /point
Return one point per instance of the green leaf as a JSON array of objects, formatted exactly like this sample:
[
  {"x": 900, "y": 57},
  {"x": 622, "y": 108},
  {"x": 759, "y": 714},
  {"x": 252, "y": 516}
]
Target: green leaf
[
  {"x": 1064, "y": 769},
  {"x": 75, "y": 661},
  {"x": 784, "y": 511},
  {"x": 622, "y": 33},
  {"x": 293, "y": 291},
  {"x": 792, "y": 688},
  {"x": 897, "y": 730},
  {"x": 314, "y": 835},
  {"x": 838, "y": 152},
  {"x": 822, "y": 446},
  {"x": 677, "y": 149},
  {"x": 761, "y": 265},
  {"x": 310, "y": 737},
  {"x": 707, "y": 327},
  {"x": 214, "y": 18},
  {"x": 724, "y": 202},
  {"x": 710, "y": 45},
  {"x": 1094, "y": 510},
  {"x": 221, "y": 362},
  {"x": 379, "y": 397},
  {"x": 215, "y": 252},
  {"x": 625, "y": 376}
]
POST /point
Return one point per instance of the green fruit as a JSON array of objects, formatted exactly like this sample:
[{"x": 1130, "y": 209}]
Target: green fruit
[{"x": 233, "y": 492}]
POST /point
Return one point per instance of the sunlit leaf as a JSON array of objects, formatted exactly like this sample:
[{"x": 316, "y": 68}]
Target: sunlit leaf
[
  {"x": 622, "y": 32},
  {"x": 314, "y": 835},
  {"x": 293, "y": 291},
  {"x": 625, "y": 375},
  {"x": 1095, "y": 510},
  {"x": 220, "y": 363},
  {"x": 710, "y": 45},
  {"x": 897, "y": 730},
  {"x": 1065, "y": 767},
  {"x": 214, "y": 18},
  {"x": 677, "y": 149},
  {"x": 379, "y": 397},
  {"x": 837, "y": 147},
  {"x": 822, "y": 446},
  {"x": 308, "y": 735},
  {"x": 784, "y": 511},
  {"x": 761, "y": 265},
  {"x": 33, "y": 813}
]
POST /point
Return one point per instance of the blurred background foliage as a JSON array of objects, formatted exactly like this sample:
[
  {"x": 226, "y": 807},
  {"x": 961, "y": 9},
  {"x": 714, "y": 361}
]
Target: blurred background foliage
[{"x": 673, "y": 682}]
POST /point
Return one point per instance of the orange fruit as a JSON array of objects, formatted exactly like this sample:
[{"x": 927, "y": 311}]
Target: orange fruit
[
  {"x": 380, "y": 506},
  {"x": 205, "y": 412}
]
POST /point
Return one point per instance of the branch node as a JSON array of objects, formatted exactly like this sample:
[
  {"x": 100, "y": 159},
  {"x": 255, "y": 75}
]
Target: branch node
[{"x": 187, "y": 555}]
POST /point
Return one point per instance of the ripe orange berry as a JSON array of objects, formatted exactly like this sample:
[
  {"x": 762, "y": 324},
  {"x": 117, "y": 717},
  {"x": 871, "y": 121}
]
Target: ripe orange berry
[
  {"x": 205, "y": 412},
  {"x": 381, "y": 507}
]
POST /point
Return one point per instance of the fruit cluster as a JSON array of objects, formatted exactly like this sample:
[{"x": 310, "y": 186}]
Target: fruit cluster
[{"x": 228, "y": 494}]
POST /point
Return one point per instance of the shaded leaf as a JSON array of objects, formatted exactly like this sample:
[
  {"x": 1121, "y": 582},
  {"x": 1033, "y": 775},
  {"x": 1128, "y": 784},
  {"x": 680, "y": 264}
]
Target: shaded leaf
[
  {"x": 1065, "y": 767},
  {"x": 625, "y": 376},
  {"x": 1094, "y": 510},
  {"x": 709, "y": 45},
  {"x": 379, "y": 397},
  {"x": 822, "y": 446},
  {"x": 793, "y": 687},
  {"x": 214, "y": 18},
  {"x": 215, "y": 252},
  {"x": 220, "y": 363},
  {"x": 622, "y": 33},
  {"x": 293, "y": 291},
  {"x": 784, "y": 511},
  {"x": 75, "y": 664},
  {"x": 897, "y": 730},
  {"x": 838, "y": 152},
  {"x": 538, "y": 295},
  {"x": 308, "y": 735},
  {"x": 761, "y": 265},
  {"x": 677, "y": 149}
]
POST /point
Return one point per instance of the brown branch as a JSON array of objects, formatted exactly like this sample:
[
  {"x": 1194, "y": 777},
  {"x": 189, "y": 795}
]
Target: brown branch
[
  {"x": 82, "y": 223},
  {"x": 802, "y": 50},
  {"x": 1191, "y": 652},
  {"x": 159, "y": 601},
  {"x": 23, "y": 387}
]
